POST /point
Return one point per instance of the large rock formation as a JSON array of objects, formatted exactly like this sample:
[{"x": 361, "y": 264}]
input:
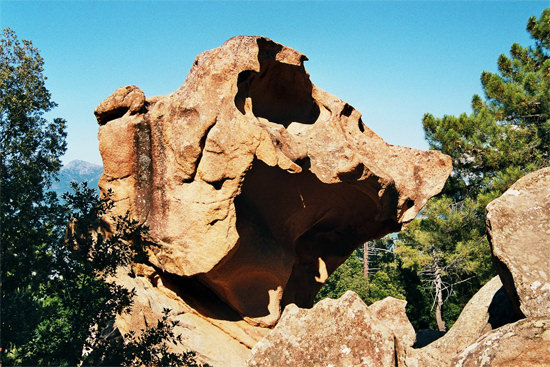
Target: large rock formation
[
  {"x": 255, "y": 184},
  {"x": 519, "y": 231}
]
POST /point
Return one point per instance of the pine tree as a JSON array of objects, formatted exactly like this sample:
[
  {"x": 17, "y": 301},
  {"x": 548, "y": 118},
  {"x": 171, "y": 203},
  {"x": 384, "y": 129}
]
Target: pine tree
[
  {"x": 506, "y": 136},
  {"x": 445, "y": 249},
  {"x": 508, "y": 133}
]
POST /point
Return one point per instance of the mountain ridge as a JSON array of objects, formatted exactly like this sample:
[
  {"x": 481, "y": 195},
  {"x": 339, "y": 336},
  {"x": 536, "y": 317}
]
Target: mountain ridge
[{"x": 77, "y": 171}]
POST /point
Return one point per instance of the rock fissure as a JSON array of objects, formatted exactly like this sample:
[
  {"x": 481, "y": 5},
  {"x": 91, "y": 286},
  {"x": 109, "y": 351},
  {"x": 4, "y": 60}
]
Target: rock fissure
[{"x": 202, "y": 144}]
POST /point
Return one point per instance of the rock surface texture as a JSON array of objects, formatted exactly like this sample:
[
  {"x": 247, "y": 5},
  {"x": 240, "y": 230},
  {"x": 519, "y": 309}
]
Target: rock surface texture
[
  {"x": 391, "y": 313},
  {"x": 519, "y": 231},
  {"x": 214, "y": 331},
  {"x": 342, "y": 332},
  {"x": 255, "y": 184},
  {"x": 525, "y": 343}
]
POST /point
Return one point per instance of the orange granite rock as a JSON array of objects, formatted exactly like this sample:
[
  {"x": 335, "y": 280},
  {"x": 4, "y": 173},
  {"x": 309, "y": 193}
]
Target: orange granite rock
[
  {"x": 254, "y": 182},
  {"x": 518, "y": 223},
  {"x": 525, "y": 343},
  {"x": 335, "y": 332}
]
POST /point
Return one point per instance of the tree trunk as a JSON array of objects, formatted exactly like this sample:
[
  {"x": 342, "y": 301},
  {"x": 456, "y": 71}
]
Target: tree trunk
[
  {"x": 366, "y": 260},
  {"x": 439, "y": 300}
]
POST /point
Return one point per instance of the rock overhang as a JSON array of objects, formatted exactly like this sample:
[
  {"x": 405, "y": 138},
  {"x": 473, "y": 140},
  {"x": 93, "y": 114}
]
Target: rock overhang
[{"x": 255, "y": 181}]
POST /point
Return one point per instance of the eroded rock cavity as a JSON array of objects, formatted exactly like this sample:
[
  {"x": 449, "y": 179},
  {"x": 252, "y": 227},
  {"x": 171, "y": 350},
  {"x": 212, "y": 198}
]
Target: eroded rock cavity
[{"x": 253, "y": 181}]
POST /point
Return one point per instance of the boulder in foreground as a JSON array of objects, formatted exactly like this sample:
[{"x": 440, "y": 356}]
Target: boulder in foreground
[
  {"x": 518, "y": 223},
  {"x": 342, "y": 332},
  {"x": 523, "y": 343},
  {"x": 488, "y": 309}
]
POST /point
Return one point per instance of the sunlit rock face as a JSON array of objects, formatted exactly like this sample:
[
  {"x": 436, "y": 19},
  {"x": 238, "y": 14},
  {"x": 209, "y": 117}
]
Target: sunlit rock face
[
  {"x": 342, "y": 332},
  {"x": 523, "y": 343},
  {"x": 518, "y": 224},
  {"x": 254, "y": 182}
]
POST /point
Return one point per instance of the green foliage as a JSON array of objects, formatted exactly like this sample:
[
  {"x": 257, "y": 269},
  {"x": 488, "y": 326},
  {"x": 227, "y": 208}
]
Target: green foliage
[
  {"x": 57, "y": 307},
  {"x": 448, "y": 234},
  {"x": 450, "y": 240},
  {"x": 382, "y": 285},
  {"x": 350, "y": 276},
  {"x": 30, "y": 218},
  {"x": 506, "y": 136}
]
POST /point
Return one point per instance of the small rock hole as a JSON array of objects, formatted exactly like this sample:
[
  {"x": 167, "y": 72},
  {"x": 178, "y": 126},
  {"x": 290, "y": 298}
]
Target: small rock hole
[
  {"x": 346, "y": 111},
  {"x": 305, "y": 163},
  {"x": 361, "y": 126}
]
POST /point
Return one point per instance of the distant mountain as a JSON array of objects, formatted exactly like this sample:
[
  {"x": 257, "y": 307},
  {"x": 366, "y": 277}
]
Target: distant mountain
[{"x": 79, "y": 171}]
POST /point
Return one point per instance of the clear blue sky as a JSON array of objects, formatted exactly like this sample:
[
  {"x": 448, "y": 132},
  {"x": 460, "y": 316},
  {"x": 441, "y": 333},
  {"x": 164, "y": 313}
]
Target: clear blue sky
[{"x": 393, "y": 61}]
